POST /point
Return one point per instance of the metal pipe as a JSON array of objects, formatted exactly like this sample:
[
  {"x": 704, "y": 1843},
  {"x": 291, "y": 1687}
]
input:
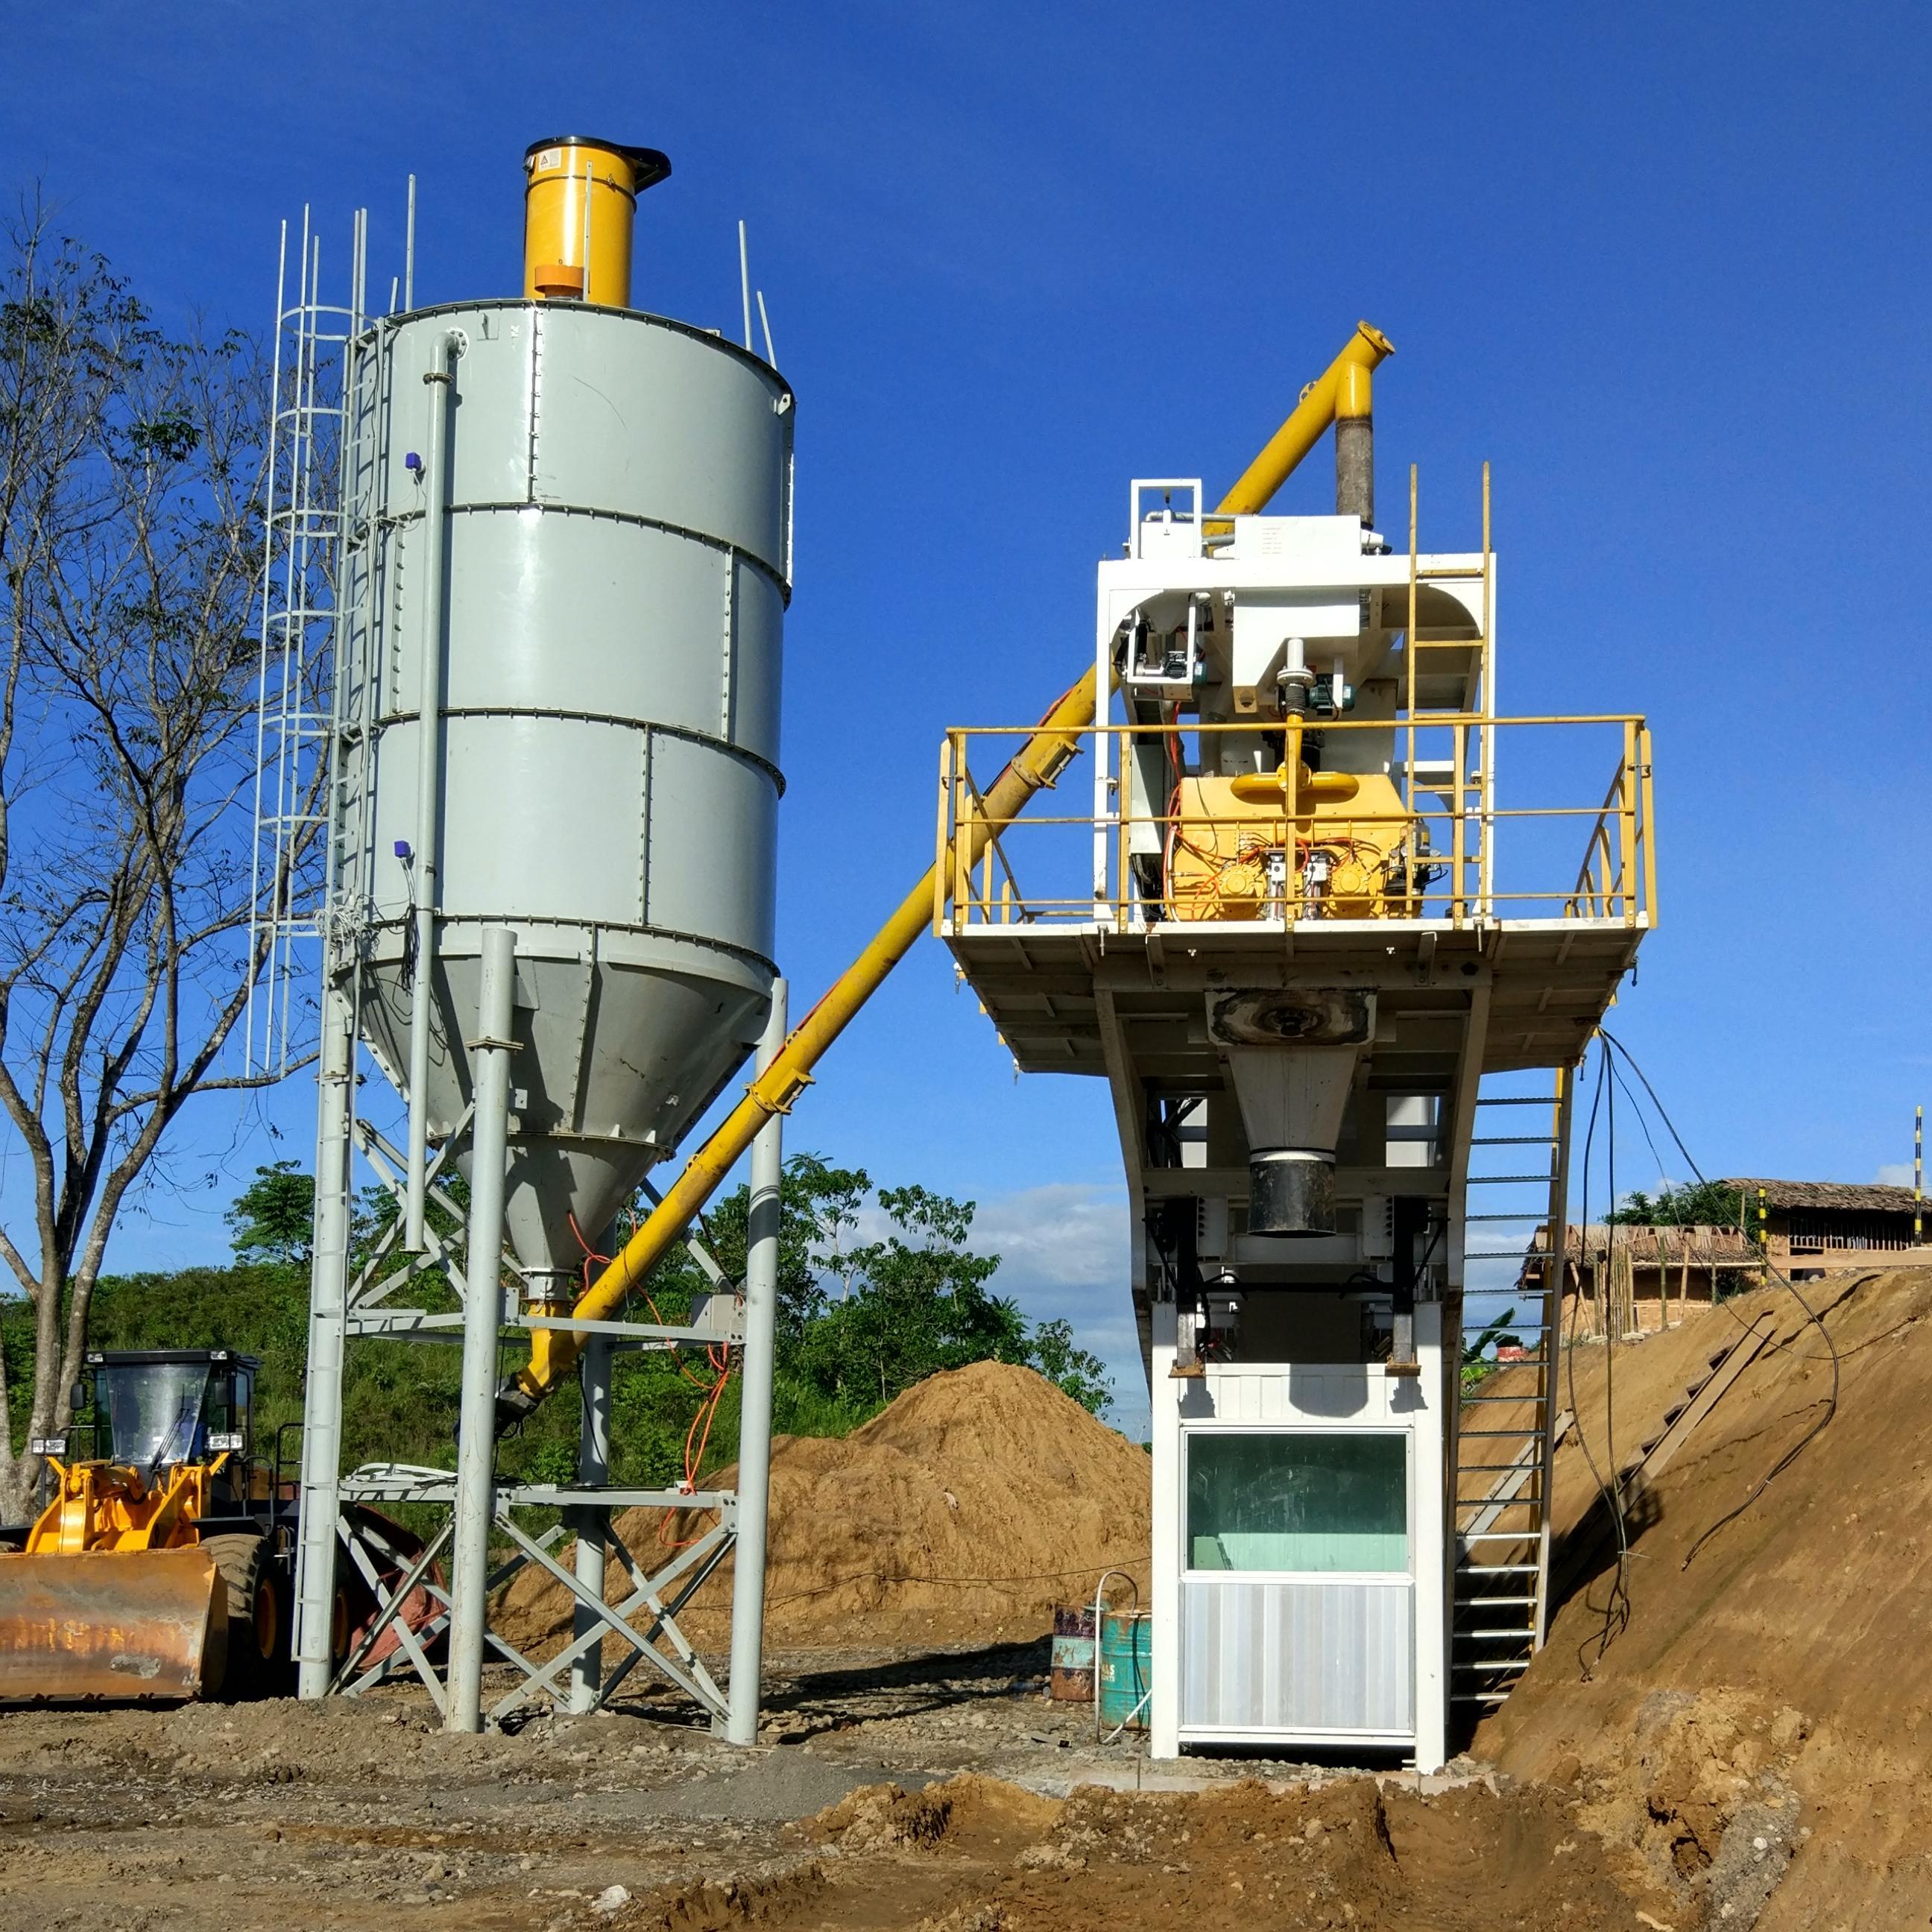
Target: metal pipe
[
  {"x": 593, "y": 1471},
  {"x": 1036, "y": 766},
  {"x": 1355, "y": 444},
  {"x": 745, "y": 283},
  {"x": 482, "y": 1322},
  {"x": 442, "y": 381},
  {"x": 322, "y": 1397},
  {"x": 755, "y": 1425},
  {"x": 1365, "y": 350}
]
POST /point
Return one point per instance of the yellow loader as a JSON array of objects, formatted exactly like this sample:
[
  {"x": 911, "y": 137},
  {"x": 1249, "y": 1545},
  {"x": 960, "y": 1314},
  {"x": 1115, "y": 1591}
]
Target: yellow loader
[{"x": 162, "y": 1568}]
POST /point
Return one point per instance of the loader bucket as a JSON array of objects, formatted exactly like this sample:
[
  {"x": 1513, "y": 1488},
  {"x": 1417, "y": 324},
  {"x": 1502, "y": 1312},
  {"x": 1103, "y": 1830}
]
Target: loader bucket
[{"x": 113, "y": 1626}]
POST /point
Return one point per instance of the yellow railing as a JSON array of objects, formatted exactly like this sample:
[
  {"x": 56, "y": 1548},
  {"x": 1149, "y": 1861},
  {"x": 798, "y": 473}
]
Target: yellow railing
[{"x": 1457, "y": 855}]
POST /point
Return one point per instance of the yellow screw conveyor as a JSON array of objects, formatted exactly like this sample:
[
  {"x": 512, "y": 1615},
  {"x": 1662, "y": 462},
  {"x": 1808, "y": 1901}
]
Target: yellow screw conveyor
[{"x": 1339, "y": 396}]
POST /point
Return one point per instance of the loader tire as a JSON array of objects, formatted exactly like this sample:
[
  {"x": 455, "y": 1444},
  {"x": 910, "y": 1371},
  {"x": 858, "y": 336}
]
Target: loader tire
[{"x": 258, "y": 1634}]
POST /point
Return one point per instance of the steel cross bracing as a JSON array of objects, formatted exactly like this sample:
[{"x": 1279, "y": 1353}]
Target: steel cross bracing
[
  {"x": 406, "y": 1586},
  {"x": 1506, "y": 1440}
]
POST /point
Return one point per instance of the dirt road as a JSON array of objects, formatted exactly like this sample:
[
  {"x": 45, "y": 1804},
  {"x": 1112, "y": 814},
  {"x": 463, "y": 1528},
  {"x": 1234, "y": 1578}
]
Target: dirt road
[{"x": 354, "y": 1814}]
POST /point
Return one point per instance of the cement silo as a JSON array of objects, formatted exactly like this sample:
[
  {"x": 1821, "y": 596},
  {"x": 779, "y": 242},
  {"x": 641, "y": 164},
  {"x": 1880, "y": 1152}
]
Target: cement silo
[
  {"x": 563, "y": 565},
  {"x": 578, "y": 564}
]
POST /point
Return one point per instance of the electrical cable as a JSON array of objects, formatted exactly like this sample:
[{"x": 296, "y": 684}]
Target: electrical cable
[
  {"x": 710, "y": 1394},
  {"x": 1811, "y": 1315},
  {"x": 1608, "y": 1494},
  {"x": 1630, "y": 1094}
]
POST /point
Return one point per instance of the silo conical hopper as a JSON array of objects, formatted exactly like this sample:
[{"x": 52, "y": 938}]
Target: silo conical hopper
[
  {"x": 610, "y": 533},
  {"x": 1291, "y": 1059}
]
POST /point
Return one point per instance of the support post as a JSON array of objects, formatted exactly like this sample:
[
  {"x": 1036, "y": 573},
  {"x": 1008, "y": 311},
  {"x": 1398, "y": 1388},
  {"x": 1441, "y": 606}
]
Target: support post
[
  {"x": 1435, "y": 1541},
  {"x": 482, "y": 1322},
  {"x": 328, "y": 1320},
  {"x": 593, "y": 1471},
  {"x": 755, "y": 1425}
]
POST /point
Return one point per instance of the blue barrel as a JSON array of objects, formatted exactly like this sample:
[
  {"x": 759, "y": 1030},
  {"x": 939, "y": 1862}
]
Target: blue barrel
[{"x": 1126, "y": 1668}]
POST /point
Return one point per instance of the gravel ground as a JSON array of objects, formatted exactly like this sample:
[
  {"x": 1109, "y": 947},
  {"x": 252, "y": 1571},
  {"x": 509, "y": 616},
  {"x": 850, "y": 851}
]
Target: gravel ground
[{"x": 349, "y": 1814}]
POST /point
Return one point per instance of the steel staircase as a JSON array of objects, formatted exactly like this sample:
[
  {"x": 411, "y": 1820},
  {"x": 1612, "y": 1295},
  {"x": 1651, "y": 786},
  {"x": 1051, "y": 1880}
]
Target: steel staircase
[{"x": 1511, "y": 1419}]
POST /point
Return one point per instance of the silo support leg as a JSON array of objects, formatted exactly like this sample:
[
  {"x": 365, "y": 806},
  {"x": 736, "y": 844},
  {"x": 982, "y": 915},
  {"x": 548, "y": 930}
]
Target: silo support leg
[
  {"x": 482, "y": 1323},
  {"x": 754, "y": 1427},
  {"x": 315, "y": 1554}
]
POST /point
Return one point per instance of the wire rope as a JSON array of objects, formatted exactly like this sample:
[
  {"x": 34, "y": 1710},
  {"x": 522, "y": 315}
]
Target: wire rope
[
  {"x": 1811, "y": 1315},
  {"x": 1610, "y": 1493}
]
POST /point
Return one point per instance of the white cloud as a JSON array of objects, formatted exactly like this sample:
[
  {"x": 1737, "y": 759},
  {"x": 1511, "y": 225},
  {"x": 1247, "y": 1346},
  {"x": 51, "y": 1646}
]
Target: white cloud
[
  {"x": 1062, "y": 1250},
  {"x": 1895, "y": 1173},
  {"x": 1069, "y": 1234}
]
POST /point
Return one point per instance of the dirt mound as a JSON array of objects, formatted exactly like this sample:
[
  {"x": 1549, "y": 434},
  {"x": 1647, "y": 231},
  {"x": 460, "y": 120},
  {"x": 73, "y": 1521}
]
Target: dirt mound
[
  {"x": 976, "y": 1855},
  {"x": 968, "y": 1809},
  {"x": 1770, "y": 1702},
  {"x": 960, "y": 1513}
]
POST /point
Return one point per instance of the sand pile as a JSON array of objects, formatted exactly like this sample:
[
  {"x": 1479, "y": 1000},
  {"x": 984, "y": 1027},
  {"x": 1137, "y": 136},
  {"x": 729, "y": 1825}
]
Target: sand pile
[
  {"x": 961, "y": 1513},
  {"x": 1772, "y": 1701}
]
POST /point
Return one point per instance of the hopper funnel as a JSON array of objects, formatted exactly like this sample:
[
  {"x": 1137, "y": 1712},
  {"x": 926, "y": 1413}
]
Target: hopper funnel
[{"x": 1292, "y": 1058}]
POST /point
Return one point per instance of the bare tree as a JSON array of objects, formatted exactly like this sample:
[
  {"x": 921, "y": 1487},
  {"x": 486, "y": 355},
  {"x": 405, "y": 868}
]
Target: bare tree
[{"x": 130, "y": 461}]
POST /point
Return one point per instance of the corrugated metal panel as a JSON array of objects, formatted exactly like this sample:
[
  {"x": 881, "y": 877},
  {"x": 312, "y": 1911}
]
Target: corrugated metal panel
[{"x": 1298, "y": 1656}]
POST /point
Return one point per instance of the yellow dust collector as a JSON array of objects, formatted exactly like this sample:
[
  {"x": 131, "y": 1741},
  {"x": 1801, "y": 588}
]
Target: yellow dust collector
[{"x": 579, "y": 199}]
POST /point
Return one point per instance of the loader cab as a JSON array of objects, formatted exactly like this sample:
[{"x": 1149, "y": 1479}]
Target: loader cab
[{"x": 156, "y": 1407}]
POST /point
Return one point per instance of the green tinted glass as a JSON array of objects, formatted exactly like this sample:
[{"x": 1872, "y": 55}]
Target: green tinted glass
[{"x": 1301, "y": 1502}]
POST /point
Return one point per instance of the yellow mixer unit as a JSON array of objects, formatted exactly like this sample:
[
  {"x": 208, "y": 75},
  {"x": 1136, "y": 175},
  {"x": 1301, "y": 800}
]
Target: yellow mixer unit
[{"x": 1353, "y": 852}]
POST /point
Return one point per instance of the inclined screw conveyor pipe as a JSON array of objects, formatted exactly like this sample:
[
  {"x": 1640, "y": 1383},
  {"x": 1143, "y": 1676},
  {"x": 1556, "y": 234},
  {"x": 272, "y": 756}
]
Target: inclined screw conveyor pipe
[{"x": 1343, "y": 387}]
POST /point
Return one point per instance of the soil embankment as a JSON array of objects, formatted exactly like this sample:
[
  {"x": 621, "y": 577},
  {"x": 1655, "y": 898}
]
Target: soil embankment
[
  {"x": 962, "y": 1513},
  {"x": 1773, "y": 1699}
]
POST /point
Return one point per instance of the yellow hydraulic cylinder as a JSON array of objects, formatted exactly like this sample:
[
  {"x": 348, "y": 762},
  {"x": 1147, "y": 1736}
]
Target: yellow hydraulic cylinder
[
  {"x": 1055, "y": 740},
  {"x": 580, "y": 203}
]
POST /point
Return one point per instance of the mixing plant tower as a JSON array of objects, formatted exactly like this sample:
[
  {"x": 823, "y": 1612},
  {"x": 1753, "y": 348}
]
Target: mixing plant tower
[{"x": 1318, "y": 954}]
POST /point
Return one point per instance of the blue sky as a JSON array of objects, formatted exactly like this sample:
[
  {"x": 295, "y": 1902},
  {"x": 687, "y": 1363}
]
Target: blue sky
[{"x": 1665, "y": 267}]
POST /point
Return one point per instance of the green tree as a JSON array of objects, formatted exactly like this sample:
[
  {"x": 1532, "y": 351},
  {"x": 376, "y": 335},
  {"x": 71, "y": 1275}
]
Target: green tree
[
  {"x": 130, "y": 554},
  {"x": 1074, "y": 1371},
  {"x": 1701, "y": 1204},
  {"x": 918, "y": 1302},
  {"x": 819, "y": 1206},
  {"x": 273, "y": 1216}
]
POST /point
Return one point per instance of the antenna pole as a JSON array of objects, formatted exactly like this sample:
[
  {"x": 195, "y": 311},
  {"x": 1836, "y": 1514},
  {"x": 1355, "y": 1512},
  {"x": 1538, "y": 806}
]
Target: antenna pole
[
  {"x": 409, "y": 251},
  {"x": 745, "y": 282}
]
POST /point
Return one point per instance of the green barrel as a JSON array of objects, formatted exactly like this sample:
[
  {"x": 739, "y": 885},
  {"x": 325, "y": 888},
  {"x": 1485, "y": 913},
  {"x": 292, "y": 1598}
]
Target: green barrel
[{"x": 1126, "y": 1668}]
